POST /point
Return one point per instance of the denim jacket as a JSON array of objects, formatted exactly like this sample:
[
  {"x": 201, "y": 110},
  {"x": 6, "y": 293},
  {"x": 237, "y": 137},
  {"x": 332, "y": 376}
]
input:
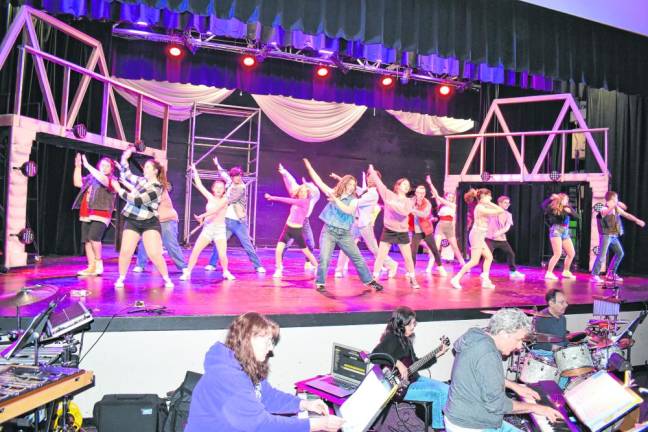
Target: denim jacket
[{"x": 100, "y": 197}]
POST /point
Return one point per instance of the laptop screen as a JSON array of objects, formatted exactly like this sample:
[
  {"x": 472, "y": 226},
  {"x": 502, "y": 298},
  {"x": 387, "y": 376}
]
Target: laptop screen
[{"x": 347, "y": 363}]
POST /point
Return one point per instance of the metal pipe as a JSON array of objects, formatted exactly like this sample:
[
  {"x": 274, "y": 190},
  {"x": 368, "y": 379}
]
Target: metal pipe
[
  {"x": 20, "y": 77},
  {"x": 65, "y": 96}
]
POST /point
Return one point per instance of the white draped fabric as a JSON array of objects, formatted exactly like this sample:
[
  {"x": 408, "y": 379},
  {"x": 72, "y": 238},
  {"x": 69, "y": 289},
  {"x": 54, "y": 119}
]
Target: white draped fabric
[
  {"x": 180, "y": 96},
  {"x": 432, "y": 125},
  {"x": 310, "y": 120}
]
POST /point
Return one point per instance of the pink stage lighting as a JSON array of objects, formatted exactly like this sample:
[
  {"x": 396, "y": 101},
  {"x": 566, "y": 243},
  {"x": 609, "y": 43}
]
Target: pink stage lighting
[
  {"x": 387, "y": 81},
  {"x": 322, "y": 71},
  {"x": 248, "y": 61},
  {"x": 174, "y": 51},
  {"x": 444, "y": 90}
]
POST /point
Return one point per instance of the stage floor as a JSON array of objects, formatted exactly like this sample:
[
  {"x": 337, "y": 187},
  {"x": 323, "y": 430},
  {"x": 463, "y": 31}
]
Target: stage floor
[{"x": 208, "y": 301}]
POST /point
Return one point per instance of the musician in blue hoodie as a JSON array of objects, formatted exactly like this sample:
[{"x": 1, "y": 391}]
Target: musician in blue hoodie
[{"x": 234, "y": 395}]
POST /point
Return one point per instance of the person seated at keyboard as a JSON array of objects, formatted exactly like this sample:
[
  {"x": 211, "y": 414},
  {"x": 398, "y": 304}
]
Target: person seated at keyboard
[
  {"x": 397, "y": 341},
  {"x": 477, "y": 400},
  {"x": 234, "y": 394}
]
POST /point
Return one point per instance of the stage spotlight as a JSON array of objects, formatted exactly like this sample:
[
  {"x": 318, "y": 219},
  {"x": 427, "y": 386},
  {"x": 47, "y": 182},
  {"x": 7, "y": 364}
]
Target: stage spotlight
[
  {"x": 322, "y": 71},
  {"x": 29, "y": 169},
  {"x": 248, "y": 61},
  {"x": 595, "y": 250},
  {"x": 485, "y": 176},
  {"x": 174, "y": 51},
  {"x": 445, "y": 243},
  {"x": 444, "y": 90},
  {"x": 25, "y": 236},
  {"x": 554, "y": 175},
  {"x": 387, "y": 81},
  {"x": 598, "y": 207},
  {"x": 80, "y": 130}
]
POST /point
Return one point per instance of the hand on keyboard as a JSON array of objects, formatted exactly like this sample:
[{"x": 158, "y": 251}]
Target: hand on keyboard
[{"x": 546, "y": 411}]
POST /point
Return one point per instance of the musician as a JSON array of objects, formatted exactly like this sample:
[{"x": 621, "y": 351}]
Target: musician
[
  {"x": 397, "y": 341},
  {"x": 234, "y": 393},
  {"x": 477, "y": 398},
  {"x": 552, "y": 321}
]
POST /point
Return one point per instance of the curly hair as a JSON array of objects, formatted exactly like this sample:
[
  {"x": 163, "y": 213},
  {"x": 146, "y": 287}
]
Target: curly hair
[
  {"x": 239, "y": 336},
  {"x": 401, "y": 317},
  {"x": 556, "y": 205},
  {"x": 508, "y": 321},
  {"x": 339, "y": 188}
]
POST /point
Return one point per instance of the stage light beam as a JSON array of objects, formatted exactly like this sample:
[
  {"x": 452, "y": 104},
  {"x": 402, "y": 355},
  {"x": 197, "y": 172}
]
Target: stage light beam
[
  {"x": 248, "y": 61},
  {"x": 322, "y": 72},
  {"x": 387, "y": 81},
  {"x": 174, "y": 51},
  {"x": 444, "y": 90}
]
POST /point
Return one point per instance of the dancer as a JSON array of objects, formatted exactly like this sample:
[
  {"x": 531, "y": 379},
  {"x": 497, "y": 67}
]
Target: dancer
[
  {"x": 363, "y": 227},
  {"x": 395, "y": 228},
  {"x": 611, "y": 229},
  {"x": 236, "y": 216},
  {"x": 213, "y": 222},
  {"x": 314, "y": 196},
  {"x": 234, "y": 393},
  {"x": 498, "y": 226},
  {"x": 557, "y": 213},
  {"x": 447, "y": 215},
  {"x": 397, "y": 341},
  {"x": 140, "y": 213},
  {"x": 483, "y": 210},
  {"x": 422, "y": 229},
  {"x": 96, "y": 202},
  {"x": 338, "y": 218},
  {"x": 293, "y": 230},
  {"x": 169, "y": 224}
]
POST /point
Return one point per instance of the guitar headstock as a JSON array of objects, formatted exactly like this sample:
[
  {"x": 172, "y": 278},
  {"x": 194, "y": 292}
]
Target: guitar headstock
[{"x": 445, "y": 340}]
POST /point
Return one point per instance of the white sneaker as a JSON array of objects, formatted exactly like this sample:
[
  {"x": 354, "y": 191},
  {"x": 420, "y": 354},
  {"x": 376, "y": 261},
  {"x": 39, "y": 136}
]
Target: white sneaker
[
  {"x": 119, "y": 283},
  {"x": 597, "y": 279},
  {"x": 411, "y": 277},
  {"x": 260, "y": 270},
  {"x": 392, "y": 270},
  {"x": 210, "y": 267},
  {"x": 308, "y": 266},
  {"x": 99, "y": 267},
  {"x": 455, "y": 283},
  {"x": 568, "y": 275},
  {"x": 516, "y": 275},
  {"x": 168, "y": 283},
  {"x": 442, "y": 271},
  {"x": 277, "y": 274},
  {"x": 186, "y": 274},
  {"x": 486, "y": 283},
  {"x": 550, "y": 276},
  {"x": 138, "y": 269},
  {"x": 338, "y": 274},
  {"x": 229, "y": 276}
]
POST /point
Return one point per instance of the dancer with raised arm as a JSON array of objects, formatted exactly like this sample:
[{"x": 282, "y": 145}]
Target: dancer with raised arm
[
  {"x": 96, "y": 202},
  {"x": 213, "y": 222},
  {"x": 422, "y": 229},
  {"x": 496, "y": 239},
  {"x": 236, "y": 216},
  {"x": 140, "y": 213},
  {"x": 338, "y": 218},
  {"x": 314, "y": 196},
  {"x": 363, "y": 227},
  {"x": 293, "y": 230},
  {"x": 477, "y": 237},
  {"x": 397, "y": 208},
  {"x": 611, "y": 229},
  {"x": 557, "y": 214},
  {"x": 447, "y": 214}
]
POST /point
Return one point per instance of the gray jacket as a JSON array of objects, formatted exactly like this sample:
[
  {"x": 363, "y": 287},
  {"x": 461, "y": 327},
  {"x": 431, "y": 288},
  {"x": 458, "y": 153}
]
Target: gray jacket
[{"x": 477, "y": 399}]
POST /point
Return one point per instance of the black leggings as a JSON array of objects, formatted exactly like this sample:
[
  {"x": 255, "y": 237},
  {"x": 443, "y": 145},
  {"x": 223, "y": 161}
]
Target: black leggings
[
  {"x": 504, "y": 246},
  {"x": 429, "y": 240}
]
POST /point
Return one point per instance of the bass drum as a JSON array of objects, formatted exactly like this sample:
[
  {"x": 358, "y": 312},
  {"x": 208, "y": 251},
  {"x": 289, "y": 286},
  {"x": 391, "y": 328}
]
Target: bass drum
[
  {"x": 601, "y": 356},
  {"x": 538, "y": 369}
]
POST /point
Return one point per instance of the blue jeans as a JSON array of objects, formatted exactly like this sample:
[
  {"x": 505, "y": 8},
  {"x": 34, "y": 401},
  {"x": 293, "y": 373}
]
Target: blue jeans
[
  {"x": 331, "y": 237},
  {"x": 562, "y": 381},
  {"x": 429, "y": 390},
  {"x": 170, "y": 242},
  {"x": 240, "y": 230},
  {"x": 608, "y": 241}
]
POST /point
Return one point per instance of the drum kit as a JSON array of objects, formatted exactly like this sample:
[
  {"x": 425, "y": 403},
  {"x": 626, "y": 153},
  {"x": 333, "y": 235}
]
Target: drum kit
[{"x": 584, "y": 354}]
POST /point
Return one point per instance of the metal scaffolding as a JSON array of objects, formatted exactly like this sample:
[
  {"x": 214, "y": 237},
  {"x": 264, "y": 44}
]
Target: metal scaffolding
[{"x": 239, "y": 145}]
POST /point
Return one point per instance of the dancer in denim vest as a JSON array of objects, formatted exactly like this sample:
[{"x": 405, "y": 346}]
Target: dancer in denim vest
[
  {"x": 338, "y": 218},
  {"x": 557, "y": 215}
]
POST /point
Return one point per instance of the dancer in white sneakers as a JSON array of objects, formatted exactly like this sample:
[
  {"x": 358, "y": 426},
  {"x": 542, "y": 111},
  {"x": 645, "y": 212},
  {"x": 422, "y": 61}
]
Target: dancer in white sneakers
[
  {"x": 293, "y": 230},
  {"x": 478, "y": 248},
  {"x": 213, "y": 222},
  {"x": 367, "y": 211},
  {"x": 447, "y": 214},
  {"x": 557, "y": 214},
  {"x": 421, "y": 229},
  {"x": 95, "y": 201},
  {"x": 397, "y": 208},
  {"x": 140, "y": 213}
]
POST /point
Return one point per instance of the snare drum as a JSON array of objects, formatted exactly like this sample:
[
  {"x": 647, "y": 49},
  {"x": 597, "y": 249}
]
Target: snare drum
[
  {"x": 602, "y": 355},
  {"x": 538, "y": 369},
  {"x": 574, "y": 360}
]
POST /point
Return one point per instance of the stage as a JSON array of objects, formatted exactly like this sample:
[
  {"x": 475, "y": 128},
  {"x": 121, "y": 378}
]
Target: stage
[{"x": 209, "y": 302}]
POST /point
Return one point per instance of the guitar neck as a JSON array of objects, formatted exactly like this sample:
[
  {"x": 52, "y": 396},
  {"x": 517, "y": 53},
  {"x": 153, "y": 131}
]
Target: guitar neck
[{"x": 420, "y": 362}]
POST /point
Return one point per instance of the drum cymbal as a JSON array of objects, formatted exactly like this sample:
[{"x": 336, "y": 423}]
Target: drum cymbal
[
  {"x": 544, "y": 337},
  {"x": 28, "y": 295}
]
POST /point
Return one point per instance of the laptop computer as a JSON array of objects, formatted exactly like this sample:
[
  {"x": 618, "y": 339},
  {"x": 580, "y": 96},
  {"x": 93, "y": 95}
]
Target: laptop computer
[{"x": 347, "y": 372}]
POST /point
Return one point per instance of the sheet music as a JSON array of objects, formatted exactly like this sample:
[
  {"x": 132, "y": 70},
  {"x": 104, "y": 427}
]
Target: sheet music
[
  {"x": 600, "y": 400},
  {"x": 363, "y": 406}
]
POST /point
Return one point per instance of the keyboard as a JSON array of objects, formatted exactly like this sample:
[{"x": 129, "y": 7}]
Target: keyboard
[{"x": 551, "y": 395}]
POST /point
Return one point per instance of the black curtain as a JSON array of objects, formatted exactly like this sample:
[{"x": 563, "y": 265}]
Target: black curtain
[{"x": 627, "y": 118}]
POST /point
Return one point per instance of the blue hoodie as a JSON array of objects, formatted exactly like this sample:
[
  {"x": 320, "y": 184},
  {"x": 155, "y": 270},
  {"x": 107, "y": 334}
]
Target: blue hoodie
[
  {"x": 225, "y": 400},
  {"x": 477, "y": 399}
]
